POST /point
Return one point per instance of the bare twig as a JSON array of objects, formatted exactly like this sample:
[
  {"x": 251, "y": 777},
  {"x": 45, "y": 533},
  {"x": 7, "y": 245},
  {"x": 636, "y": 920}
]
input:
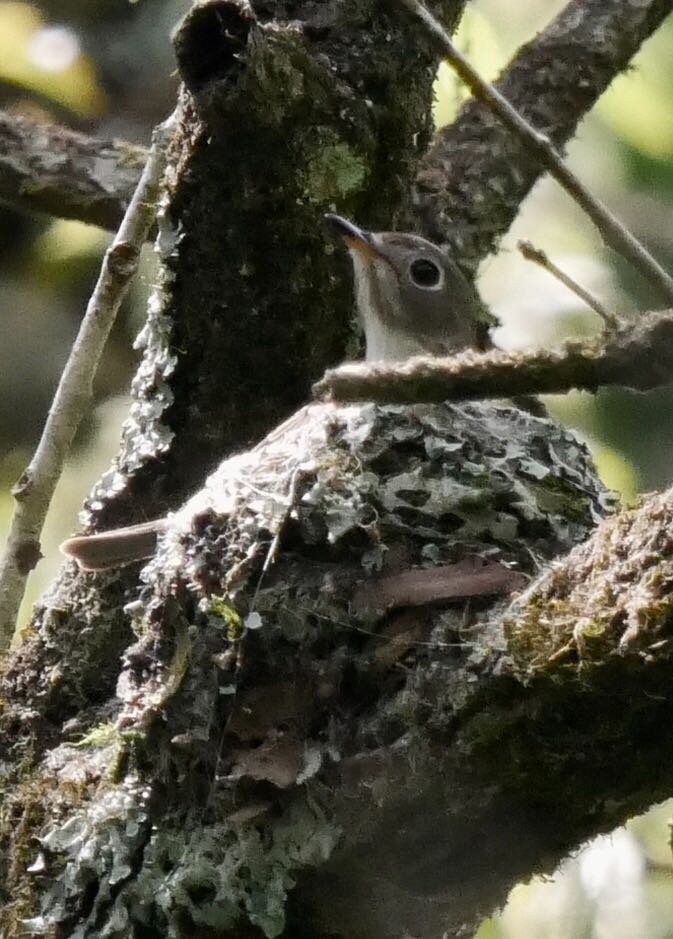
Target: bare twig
[
  {"x": 638, "y": 355},
  {"x": 612, "y": 230},
  {"x": 537, "y": 256},
  {"x": 48, "y": 168},
  {"x": 34, "y": 490}
]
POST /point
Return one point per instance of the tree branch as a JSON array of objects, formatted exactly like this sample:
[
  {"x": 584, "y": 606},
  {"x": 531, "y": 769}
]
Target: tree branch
[
  {"x": 34, "y": 490},
  {"x": 542, "y": 150},
  {"x": 537, "y": 256},
  {"x": 47, "y": 168},
  {"x": 637, "y": 355},
  {"x": 473, "y": 179},
  {"x": 331, "y": 771}
]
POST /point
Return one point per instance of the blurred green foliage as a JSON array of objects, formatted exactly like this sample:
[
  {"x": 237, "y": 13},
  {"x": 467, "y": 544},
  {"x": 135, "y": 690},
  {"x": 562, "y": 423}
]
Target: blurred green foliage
[
  {"x": 105, "y": 66},
  {"x": 47, "y": 60}
]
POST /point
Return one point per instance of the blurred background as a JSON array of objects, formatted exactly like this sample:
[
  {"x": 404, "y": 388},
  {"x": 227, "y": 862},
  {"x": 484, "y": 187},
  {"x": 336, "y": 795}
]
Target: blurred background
[{"x": 106, "y": 67}]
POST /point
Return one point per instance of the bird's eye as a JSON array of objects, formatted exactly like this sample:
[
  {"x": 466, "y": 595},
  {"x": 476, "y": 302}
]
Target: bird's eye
[{"x": 425, "y": 273}]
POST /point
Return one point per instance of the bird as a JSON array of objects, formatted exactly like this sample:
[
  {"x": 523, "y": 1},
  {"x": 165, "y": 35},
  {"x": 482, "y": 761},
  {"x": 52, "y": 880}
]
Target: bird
[{"x": 412, "y": 299}]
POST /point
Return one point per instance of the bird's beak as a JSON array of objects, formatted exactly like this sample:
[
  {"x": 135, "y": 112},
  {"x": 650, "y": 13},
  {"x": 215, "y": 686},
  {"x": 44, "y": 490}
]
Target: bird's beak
[{"x": 356, "y": 238}]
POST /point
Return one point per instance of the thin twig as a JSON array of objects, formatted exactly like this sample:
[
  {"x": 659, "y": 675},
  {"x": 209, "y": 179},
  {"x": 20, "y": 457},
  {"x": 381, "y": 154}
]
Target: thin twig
[
  {"x": 298, "y": 476},
  {"x": 537, "y": 256},
  {"x": 381, "y": 637},
  {"x": 35, "y": 488},
  {"x": 612, "y": 230},
  {"x": 638, "y": 355}
]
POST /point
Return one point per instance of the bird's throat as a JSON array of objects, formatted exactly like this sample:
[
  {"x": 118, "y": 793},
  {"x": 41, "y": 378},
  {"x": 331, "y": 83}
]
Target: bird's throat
[{"x": 384, "y": 337}]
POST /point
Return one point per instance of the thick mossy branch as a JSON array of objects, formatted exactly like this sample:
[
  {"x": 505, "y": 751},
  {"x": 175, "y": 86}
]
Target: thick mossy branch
[
  {"x": 638, "y": 355},
  {"x": 475, "y": 176},
  {"x": 611, "y": 596}
]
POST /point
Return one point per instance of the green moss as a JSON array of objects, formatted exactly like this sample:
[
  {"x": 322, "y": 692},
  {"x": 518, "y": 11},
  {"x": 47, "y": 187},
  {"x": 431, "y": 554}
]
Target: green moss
[
  {"x": 659, "y": 612},
  {"x": 229, "y": 616},
  {"x": 277, "y": 75},
  {"x": 529, "y": 639},
  {"x": 103, "y": 735},
  {"x": 130, "y": 745},
  {"x": 334, "y": 173}
]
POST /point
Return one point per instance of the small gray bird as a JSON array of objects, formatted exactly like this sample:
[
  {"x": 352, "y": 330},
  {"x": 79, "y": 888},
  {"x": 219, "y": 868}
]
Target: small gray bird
[{"x": 412, "y": 299}]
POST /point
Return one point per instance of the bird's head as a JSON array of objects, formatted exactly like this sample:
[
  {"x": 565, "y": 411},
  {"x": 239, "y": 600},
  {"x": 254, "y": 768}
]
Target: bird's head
[{"x": 411, "y": 297}]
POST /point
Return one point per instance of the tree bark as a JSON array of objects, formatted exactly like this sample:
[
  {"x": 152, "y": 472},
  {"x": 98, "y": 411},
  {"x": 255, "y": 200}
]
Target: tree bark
[
  {"x": 47, "y": 168},
  {"x": 476, "y": 174},
  {"x": 344, "y": 770}
]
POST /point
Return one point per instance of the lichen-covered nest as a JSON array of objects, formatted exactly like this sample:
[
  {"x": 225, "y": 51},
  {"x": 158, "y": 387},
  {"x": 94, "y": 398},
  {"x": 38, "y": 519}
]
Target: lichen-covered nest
[{"x": 312, "y": 621}]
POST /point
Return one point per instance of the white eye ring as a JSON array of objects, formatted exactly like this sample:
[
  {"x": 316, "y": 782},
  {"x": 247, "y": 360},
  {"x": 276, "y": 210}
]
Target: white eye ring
[{"x": 426, "y": 274}]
